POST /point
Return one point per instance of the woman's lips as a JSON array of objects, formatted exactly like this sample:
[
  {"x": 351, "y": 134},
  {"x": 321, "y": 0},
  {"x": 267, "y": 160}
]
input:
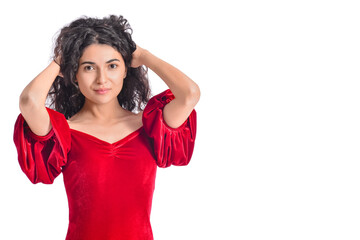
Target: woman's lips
[{"x": 102, "y": 90}]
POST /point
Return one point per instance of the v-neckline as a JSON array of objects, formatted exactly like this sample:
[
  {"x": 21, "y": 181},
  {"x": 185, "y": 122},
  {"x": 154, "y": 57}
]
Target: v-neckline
[{"x": 125, "y": 139}]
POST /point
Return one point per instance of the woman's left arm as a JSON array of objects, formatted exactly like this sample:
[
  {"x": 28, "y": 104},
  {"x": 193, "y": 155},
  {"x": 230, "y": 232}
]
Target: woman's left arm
[{"x": 185, "y": 90}]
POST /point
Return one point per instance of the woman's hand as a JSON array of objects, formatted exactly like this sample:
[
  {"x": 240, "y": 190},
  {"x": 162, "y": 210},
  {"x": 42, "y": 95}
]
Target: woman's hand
[{"x": 137, "y": 57}]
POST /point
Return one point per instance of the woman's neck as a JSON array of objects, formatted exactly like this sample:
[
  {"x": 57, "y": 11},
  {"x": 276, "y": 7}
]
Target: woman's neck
[{"x": 102, "y": 113}]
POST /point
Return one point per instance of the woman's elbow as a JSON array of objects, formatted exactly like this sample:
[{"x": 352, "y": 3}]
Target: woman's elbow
[
  {"x": 27, "y": 101},
  {"x": 194, "y": 94},
  {"x": 24, "y": 100}
]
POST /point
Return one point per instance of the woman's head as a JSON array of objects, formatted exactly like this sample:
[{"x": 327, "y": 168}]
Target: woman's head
[
  {"x": 101, "y": 73},
  {"x": 112, "y": 31}
]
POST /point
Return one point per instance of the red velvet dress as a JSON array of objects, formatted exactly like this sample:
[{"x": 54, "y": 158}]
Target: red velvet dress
[{"x": 109, "y": 186}]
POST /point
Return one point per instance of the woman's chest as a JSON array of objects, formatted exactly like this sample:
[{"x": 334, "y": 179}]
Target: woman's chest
[{"x": 131, "y": 159}]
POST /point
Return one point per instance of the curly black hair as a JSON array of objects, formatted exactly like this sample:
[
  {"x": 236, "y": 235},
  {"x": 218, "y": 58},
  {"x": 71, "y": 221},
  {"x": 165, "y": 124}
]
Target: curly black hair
[{"x": 64, "y": 95}]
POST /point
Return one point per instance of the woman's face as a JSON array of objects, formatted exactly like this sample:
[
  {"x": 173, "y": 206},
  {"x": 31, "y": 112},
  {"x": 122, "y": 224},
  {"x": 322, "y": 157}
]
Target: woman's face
[{"x": 101, "y": 73}]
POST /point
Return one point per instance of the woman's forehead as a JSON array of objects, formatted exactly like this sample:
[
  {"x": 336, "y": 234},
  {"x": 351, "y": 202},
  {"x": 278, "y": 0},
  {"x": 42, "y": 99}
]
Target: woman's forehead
[{"x": 100, "y": 53}]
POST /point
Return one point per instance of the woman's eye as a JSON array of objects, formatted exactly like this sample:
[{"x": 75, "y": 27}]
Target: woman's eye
[
  {"x": 88, "y": 68},
  {"x": 113, "y": 66}
]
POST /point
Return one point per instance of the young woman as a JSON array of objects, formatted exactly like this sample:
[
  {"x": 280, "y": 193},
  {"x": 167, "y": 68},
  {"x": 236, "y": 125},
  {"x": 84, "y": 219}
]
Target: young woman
[{"x": 104, "y": 134}]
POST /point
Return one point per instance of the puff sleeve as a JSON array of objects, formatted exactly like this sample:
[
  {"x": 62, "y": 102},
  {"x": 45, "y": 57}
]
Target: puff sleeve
[
  {"x": 42, "y": 157},
  {"x": 171, "y": 146}
]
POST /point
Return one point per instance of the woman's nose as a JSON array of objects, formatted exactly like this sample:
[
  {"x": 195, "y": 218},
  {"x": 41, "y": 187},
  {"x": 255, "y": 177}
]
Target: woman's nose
[{"x": 101, "y": 77}]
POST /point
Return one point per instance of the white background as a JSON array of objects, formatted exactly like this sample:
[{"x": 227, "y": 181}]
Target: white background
[{"x": 277, "y": 151}]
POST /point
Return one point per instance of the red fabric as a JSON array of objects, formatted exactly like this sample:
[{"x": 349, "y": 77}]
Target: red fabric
[
  {"x": 109, "y": 186},
  {"x": 171, "y": 146}
]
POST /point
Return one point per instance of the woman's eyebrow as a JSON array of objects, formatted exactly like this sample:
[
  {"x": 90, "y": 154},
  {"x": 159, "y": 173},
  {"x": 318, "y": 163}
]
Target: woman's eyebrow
[
  {"x": 92, "y": 63},
  {"x": 87, "y": 62},
  {"x": 112, "y": 60}
]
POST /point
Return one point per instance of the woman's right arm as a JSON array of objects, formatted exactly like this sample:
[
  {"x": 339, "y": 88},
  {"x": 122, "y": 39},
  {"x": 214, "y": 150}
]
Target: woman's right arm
[{"x": 33, "y": 97}]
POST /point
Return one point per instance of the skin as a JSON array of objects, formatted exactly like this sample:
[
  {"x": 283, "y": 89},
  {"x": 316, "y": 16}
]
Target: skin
[{"x": 101, "y": 66}]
